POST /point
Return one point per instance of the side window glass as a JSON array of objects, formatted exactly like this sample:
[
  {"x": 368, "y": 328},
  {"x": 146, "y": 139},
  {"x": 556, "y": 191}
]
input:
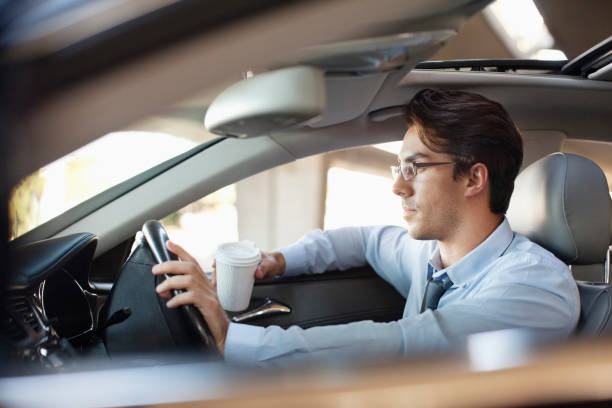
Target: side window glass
[
  {"x": 200, "y": 226},
  {"x": 276, "y": 207}
]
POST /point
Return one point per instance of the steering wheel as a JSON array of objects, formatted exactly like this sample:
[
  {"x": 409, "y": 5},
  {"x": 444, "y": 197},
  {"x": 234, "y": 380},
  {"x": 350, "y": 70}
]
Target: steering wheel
[{"x": 156, "y": 236}]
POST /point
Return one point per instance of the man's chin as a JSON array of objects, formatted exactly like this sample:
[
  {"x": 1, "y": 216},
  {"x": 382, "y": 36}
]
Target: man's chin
[
  {"x": 415, "y": 232},
  {"x": 412, "y": 228}
]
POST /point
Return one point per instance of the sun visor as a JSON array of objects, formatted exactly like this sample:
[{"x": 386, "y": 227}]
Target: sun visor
[{"x": 268, "y": 103}]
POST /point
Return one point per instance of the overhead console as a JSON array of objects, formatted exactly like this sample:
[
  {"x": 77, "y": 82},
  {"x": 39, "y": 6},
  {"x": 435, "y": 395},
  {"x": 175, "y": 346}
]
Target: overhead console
[{"x": 312, "y": 85}]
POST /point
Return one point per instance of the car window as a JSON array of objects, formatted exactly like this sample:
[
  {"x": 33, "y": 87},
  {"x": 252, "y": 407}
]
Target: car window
[
  {"x": 276, "y": 207},
  {"x": 357, "y": 197},
  {"x": 92, "y": 169},
  {"x": 359, "y": 187},
  {"x": 332, "y": 190}
]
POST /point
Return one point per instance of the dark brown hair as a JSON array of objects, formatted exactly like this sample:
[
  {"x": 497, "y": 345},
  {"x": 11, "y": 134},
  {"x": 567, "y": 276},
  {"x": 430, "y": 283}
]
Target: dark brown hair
[{"x": 470, "y": 129}]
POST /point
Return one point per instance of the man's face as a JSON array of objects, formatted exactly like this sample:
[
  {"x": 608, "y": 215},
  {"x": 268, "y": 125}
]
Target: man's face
[{"x": 431, "y": 201}]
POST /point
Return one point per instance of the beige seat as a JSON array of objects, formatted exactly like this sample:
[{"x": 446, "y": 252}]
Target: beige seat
[{"x": 562, "y": 203}]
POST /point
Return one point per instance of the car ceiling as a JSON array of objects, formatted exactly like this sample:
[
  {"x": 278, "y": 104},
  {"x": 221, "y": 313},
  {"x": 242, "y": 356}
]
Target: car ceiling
[
  {"x": 149, "y": 83},
  {"x": 566, "y": 20}
]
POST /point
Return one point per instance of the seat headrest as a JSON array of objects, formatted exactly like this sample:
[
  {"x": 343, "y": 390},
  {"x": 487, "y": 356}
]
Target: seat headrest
[{"x": 562, "y": 203}]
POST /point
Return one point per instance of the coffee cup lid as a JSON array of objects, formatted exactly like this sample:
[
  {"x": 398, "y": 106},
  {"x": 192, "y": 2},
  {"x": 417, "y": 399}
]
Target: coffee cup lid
[{"x": 238, "y": 253}]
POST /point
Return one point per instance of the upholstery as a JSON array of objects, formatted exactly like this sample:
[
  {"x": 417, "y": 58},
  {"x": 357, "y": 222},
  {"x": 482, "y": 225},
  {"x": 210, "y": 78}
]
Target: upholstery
[
  {"x": 596, "y": 308},
  {"x": 562, "y": 203}
]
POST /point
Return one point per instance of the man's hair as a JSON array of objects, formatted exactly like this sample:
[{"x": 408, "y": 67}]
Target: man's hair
[{"x": 470, "y": 129}]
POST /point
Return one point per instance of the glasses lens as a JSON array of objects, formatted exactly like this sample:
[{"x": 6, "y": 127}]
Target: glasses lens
[
  {"x": 408, "y": 170},
  {"x": 411, "y": 170}
]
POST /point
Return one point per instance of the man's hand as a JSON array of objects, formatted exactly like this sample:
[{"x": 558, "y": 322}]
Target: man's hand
[
  {"x": 272, "y": 264},
  {"x": 198, "y": 291}
]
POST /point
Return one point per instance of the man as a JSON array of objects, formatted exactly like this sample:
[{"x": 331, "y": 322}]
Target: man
[{"x": 458, "y": 263}]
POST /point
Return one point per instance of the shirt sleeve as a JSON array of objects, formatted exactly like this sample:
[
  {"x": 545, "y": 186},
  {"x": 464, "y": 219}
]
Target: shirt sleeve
[
  {"x": 388, "y": 249},
  {"x": 253, "y": 345},
  {"x": 320, "y": 251},
  {"x": 423, "y": 334},
  {"x": 542, "y": 314}
]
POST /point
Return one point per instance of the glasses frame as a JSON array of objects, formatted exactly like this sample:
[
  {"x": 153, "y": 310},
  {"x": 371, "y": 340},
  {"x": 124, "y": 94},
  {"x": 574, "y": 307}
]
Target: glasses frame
[{"x": 409, "y": 170}]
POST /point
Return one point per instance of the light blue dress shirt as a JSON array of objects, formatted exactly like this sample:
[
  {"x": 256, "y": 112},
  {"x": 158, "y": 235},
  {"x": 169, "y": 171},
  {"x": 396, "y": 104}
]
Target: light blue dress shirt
[{"x": 505, "y": 282}]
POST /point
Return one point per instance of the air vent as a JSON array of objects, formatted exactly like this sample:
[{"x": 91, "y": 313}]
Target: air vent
[
  {"x": 23, "y": 310},
  {"x": 12, "y": 330}
]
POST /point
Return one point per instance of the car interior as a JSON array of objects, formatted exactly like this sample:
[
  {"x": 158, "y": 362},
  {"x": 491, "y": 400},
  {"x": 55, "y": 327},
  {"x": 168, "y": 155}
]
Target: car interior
[
  {"x": 560, "y": 200},
  {"x": 79, "y": 286}
]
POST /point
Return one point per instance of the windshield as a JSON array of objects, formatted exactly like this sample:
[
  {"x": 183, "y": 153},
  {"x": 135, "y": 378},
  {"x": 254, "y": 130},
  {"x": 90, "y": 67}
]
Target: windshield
[{"x": 96, "y": 167}]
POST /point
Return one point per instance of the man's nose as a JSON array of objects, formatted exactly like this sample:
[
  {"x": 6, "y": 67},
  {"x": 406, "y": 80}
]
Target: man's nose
[{"x": 402, "y": 187}]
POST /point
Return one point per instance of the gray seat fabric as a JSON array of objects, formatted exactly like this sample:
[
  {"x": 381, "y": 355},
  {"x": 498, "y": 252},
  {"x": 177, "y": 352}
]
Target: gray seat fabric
[
  {"x": 589, "y": 273},
  {"x": 562, "y": 203},
  {"x": 596, "y": 308}
]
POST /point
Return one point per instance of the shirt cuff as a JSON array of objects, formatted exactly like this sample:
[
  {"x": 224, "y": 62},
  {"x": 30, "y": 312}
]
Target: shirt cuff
[
  {"x": 241, "y": 342},
  {"x": 295, "y": 260}
]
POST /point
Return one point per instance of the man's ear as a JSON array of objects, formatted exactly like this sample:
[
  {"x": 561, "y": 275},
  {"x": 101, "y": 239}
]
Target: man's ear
[{"x": 476, "y": 180}]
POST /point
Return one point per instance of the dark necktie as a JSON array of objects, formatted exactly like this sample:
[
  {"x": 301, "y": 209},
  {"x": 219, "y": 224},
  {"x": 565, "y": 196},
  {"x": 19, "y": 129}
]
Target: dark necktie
[{"x": 434, "y": 290}]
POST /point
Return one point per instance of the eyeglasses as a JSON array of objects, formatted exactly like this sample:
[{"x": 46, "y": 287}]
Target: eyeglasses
[{"x": 409, "y": 169}]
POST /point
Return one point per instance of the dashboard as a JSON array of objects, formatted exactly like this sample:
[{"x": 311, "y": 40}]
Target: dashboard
[{"x": 49, "y": 311}]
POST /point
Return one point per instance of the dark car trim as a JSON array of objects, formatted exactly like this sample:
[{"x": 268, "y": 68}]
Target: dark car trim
[
  {"x": 497, "y": 65},
  {"x": 581, "y": 64}
]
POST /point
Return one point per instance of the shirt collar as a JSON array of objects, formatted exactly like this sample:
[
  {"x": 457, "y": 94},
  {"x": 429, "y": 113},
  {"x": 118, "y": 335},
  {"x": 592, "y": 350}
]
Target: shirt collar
[{"x": 478, "y": 258}]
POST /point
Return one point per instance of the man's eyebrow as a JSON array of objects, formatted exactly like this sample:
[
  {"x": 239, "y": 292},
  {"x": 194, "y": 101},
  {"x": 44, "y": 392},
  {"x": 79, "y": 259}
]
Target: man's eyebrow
[{"x": 411, "y": 157}]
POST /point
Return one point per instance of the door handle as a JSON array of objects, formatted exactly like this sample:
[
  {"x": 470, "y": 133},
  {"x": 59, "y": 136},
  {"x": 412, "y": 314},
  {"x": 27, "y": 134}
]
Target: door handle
[{"x": 270, "y": 307}]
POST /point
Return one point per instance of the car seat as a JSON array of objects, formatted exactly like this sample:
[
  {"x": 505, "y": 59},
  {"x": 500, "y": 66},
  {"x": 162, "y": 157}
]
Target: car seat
[{"x": 562, "y": 203}]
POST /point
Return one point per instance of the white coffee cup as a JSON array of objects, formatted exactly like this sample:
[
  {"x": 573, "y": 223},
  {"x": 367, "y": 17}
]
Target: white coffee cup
[{"x": 236, "y": 264}]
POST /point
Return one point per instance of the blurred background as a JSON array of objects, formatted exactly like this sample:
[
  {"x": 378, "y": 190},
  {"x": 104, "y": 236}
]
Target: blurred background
[{"x": 332, "y": 190}]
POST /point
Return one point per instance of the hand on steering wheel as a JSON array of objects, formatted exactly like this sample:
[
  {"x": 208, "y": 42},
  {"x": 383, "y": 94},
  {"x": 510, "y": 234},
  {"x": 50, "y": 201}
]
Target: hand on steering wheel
[
  {"x": 156, "y": 238},
  {"x": 187, "y": 276}
]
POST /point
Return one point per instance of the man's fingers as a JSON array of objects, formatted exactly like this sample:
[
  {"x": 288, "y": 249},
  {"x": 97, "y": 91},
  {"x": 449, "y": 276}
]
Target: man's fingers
[
  {"x": 176, "y": 282},
  {"x": 180, "y": 252},
  {"x": 185, "y": 298},
  {"x": 266, "y": 267},
  {"x": 259, "y": 273},
  {"x": 165, "y": 295},
  {"x": 191, "y": 298},
  {"x": 174, "y": 268}
]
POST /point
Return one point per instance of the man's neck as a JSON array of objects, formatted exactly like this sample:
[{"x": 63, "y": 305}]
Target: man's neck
[{"x": 467, "y": 237}]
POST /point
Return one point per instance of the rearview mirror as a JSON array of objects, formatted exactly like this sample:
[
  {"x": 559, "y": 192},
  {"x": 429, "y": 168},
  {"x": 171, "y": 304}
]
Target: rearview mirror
[{"x": 268, "y": 102}]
